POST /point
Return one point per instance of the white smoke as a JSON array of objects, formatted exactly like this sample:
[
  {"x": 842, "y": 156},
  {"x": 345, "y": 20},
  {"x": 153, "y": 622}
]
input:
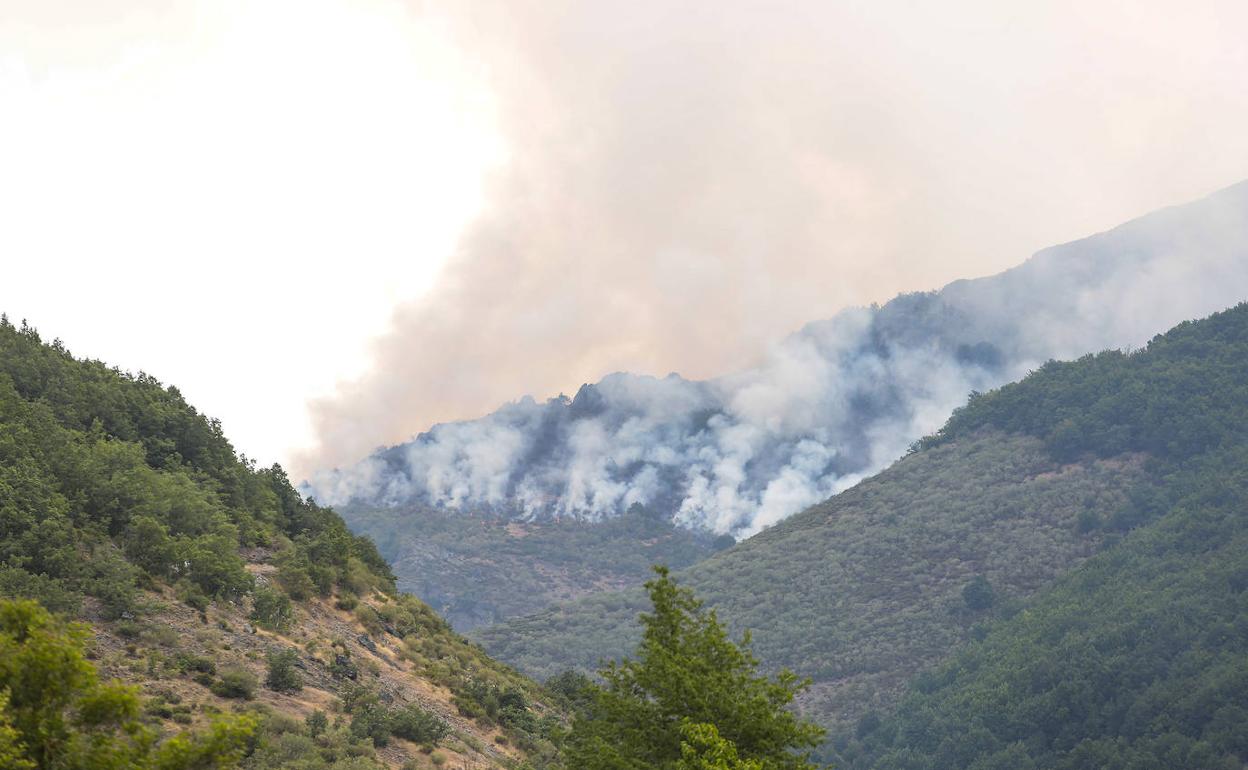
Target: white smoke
[{"x": 840, "y": 399}]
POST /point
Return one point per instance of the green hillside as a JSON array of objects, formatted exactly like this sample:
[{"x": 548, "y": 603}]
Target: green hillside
[
  {"x": 481, "y": 569},
  {"x": 1091, "y": 506},
  {"x": 212, "y": 586},
  {"x": 863, "y": 591},
  {"x": 1138, "y": 659}
]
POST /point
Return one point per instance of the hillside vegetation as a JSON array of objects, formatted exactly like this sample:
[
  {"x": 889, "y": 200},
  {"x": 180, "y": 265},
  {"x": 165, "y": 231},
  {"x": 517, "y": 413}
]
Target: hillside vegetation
[
  {"x": 1137, "y": 659},
  {"x": 1078, "y": 536},
  {"x": 861, "y": 592},
  {"x": 211, "y": 584},
  {"x": 481, "y": 569}
]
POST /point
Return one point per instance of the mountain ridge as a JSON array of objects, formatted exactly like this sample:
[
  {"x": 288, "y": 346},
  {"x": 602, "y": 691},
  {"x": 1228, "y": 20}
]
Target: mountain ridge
[
  {"x": 875, "y": 592},
  {"x": 835, "y": 401}
]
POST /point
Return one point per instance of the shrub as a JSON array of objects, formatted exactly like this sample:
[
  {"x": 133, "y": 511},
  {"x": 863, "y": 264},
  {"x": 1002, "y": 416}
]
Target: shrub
[
  {"x": 283, "y": 673},
  {"x": 235, "y": 683},
  {"x": 370, "y": 720},
  {"x": 196, "y": 664},
  {"x": 293, "y": 576},
  {"x": 271, "y": 609},
  {"x": 316, "y": 723},
  {"x": 417, "y": 725},
  {"x": 189, "y": 594}
]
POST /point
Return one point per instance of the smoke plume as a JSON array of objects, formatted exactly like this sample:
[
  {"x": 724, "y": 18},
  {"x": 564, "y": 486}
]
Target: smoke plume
[
  {"x": 685, "y": 183},
  {"x": 839, "y": 399}
]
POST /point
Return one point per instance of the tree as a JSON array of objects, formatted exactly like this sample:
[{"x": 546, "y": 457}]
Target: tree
[
  {"x": 692, "y": 700},
  {"x": 702, "y": 748},
  {"x": 271, "y": 609},
  {"x": 55, "y": 713},
  {"x": 283, "y": 674}
]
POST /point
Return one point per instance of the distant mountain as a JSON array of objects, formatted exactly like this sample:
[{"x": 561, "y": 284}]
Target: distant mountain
[
  {"x": 478, "y": 569},
  {"x": 831, "y": 404},
  {"x": 1057, "y": 578}
]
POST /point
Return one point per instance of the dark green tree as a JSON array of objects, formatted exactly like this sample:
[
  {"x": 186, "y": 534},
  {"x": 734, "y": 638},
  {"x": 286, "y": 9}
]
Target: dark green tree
[
  {"x": 283, "y": 673},
  {"x": 691, "y": 699}
]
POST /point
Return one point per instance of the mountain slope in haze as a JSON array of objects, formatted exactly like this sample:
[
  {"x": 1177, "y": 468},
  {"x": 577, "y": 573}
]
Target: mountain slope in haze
[
  {"x": 1114, "y": 478},
  {"x": 834, "y": 402},
  {"x": 122, "y": 506},
  {"x": 478, "y": 569},
  {"x": 838, "y": 400}
]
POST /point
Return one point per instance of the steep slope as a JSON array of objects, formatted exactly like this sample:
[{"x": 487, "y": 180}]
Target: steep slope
[
  {"x": 1137, "y": 659},
  {"x": 1021, "y": 487},
  {"x": 203, "y": 576}
]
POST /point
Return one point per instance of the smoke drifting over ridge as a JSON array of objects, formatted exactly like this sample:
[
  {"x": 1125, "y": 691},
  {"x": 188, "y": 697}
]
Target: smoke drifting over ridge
[
  {"x": 840, "y": 399},
  {"x": 685, "y": 183}
]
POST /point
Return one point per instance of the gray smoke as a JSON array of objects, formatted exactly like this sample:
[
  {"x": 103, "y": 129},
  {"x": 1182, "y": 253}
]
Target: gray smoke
[
  {"x": 683, "y": 183},
  {"x": 837, "y": 400}
]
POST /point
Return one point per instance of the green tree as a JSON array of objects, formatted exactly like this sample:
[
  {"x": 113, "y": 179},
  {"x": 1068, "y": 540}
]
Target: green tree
[
  {"x": 271, "y": 609},
  {"x": 283, "y": 674},
  {"x": 692, "y": 700},
  {"x": 702, "y": 748},
  {"x": 55, "y": 713}
]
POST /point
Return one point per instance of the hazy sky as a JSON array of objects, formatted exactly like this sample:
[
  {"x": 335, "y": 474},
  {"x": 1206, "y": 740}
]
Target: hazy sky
[{"x": 402, "y": 212}]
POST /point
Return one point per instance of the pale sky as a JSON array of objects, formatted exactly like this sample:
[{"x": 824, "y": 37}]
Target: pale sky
[
  {"x": 333, "y": 222},
  {"x": 230, "y": 194}
]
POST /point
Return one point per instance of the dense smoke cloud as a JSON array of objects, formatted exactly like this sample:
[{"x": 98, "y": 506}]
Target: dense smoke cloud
[
  {"x": 837, "y": 400},
  {"x": 685, "y": 183}
]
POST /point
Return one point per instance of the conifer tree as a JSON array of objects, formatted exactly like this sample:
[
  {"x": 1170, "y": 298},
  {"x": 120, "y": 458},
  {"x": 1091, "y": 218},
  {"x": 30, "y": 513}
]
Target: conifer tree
[{"x": 692, "y": 700}]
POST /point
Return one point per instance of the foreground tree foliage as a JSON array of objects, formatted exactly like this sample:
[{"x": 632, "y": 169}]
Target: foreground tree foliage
[
  {"x": 55, "y": 713},
  {"x": 692, "y": 700}
]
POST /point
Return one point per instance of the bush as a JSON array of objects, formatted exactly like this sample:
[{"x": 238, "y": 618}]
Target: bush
[
  {"x": 370, "y": 720},
  {"x": 293, "y": 576},
  {"x": 316, "y": 723},
  {"x": 283, "y": 673},
  {"x": 417, "y": 725},
  {"x": 235, "y": 683},
  {"x": 271, "y": 609},
  {"x": 194, "y": 663}
]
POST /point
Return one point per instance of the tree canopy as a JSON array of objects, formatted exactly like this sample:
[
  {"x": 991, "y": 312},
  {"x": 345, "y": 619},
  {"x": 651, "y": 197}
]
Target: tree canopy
[{"x": 691, "y": 700}]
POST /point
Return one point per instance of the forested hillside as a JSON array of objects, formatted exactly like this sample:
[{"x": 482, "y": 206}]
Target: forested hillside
[
  {"x": 478, "y": 569},
  {"x": 211, "y": 584},
  {"x": 1140, "y": 657},
  {"x": 1079, "y": 536},
  {"x": 863, "y": 591}
]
